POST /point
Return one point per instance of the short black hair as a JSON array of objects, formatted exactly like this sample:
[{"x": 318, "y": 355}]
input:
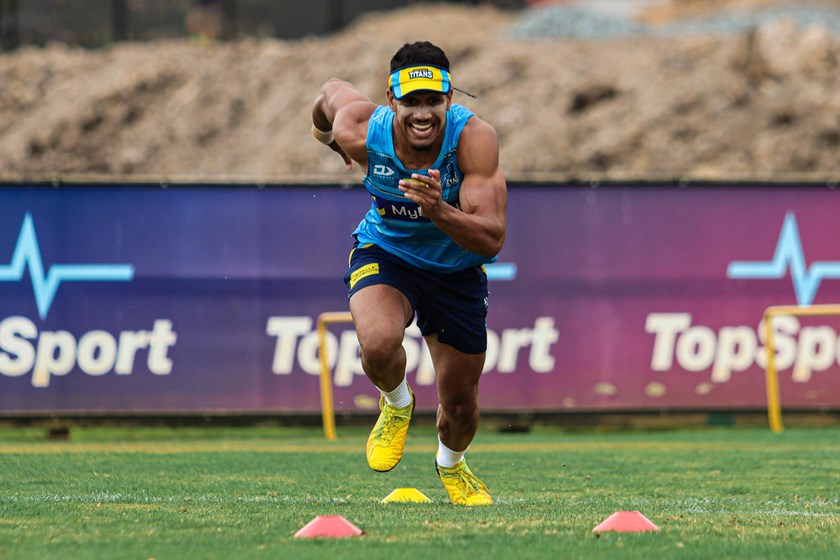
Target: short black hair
[{"x": 421, "y": 52}]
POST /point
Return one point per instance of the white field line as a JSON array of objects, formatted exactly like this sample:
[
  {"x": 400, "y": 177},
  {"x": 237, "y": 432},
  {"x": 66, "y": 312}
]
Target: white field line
[{"x": 704, "y": 507}]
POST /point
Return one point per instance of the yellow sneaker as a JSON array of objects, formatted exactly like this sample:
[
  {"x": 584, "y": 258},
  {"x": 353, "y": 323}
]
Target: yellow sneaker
[
  {"x": 387, "y": 439},
  {"x": 463, "y": 486}
]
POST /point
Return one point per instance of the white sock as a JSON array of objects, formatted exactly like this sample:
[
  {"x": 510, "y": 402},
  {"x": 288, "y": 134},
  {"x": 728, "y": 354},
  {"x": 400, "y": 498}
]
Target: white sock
[
  {"x": 399, "y": 397},
  {"x": 448, "y": 458}
]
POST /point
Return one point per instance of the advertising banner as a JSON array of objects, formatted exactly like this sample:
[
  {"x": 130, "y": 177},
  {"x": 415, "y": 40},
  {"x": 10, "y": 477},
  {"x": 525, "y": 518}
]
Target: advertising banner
[{"x": 198, "y": 299}]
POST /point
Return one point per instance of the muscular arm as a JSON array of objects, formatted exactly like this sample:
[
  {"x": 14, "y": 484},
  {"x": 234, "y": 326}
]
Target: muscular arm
[
  {"x": 480, "y": 224},
  {"x": 344, "y": 110}
]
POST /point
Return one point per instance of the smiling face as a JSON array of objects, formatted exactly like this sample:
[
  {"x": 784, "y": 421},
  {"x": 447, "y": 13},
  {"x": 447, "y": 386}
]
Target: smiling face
[{"x": 420, "y": 120}]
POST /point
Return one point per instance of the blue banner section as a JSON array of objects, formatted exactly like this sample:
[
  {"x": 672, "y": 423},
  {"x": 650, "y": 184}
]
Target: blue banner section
[{"x": 142, "y": 298}]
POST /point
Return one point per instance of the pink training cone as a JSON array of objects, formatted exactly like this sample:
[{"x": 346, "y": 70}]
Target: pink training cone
[
  {"x": 625, "y": 522},
  {"x": 330, "y": 527}
]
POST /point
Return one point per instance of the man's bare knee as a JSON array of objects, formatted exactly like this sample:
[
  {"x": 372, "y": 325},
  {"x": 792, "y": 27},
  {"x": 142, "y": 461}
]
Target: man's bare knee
[
  {"x": 460, "y": 412},
  {"x": 380, "y": 355}
]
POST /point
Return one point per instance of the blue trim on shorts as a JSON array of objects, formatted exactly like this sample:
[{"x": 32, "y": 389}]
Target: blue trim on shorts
[{"x": 451, "y": 305}]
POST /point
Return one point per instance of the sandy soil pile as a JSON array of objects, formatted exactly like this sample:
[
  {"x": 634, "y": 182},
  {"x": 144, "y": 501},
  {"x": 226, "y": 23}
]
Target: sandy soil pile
[{"x": 759, "y": 104}]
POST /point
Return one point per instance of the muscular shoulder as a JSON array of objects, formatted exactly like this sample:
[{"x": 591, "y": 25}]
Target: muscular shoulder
[{"x": 478, "y": 147}]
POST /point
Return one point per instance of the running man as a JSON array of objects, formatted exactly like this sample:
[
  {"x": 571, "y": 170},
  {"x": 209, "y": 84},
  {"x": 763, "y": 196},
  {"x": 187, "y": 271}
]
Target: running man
[{"x": 438, "y": 215}]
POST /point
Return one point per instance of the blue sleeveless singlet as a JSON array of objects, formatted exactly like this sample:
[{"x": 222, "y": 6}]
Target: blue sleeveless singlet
[{"x": 393, "y": 222}]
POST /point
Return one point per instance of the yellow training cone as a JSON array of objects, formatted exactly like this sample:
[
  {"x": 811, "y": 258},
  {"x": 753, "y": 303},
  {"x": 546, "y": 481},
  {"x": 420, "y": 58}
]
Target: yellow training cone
[{"x": 406, "y": 495}]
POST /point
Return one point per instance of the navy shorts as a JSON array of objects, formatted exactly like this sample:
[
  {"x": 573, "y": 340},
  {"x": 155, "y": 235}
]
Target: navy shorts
[{"x": 451, "y": 305}]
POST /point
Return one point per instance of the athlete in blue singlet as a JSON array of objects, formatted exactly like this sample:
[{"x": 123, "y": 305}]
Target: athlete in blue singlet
[
  {"x": 394, "y": 222},
  {"x": 437, "y": 215}
]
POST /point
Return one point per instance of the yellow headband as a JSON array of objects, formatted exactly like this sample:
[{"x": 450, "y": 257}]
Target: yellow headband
[{"x": 419, "y": 78}]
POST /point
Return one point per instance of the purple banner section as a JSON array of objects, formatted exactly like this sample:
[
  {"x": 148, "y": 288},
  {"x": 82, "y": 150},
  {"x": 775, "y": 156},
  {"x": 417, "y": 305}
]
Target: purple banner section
[{"x": 203, "y": 299}]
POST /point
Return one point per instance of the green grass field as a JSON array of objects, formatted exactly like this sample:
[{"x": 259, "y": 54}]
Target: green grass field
[{"x": 242, "y": 493}]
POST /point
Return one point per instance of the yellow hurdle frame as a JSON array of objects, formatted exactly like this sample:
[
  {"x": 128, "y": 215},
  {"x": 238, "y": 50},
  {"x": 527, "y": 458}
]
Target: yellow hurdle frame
[
  {"x": 327, "y": 409},
  {"x": 774, "y": 407}
]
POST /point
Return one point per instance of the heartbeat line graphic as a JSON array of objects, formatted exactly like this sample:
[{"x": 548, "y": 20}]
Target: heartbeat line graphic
[
  {"x": 28, "y": 253},
  {"x": 788, "y": 255}
]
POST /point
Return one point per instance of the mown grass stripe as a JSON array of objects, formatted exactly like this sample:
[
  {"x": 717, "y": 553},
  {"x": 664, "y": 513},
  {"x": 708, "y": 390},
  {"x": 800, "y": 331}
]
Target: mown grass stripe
[{"x": 211, "y": 446}]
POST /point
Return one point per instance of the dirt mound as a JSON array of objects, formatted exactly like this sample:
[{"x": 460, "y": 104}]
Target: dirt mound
[{"x": 762, "y": 103}]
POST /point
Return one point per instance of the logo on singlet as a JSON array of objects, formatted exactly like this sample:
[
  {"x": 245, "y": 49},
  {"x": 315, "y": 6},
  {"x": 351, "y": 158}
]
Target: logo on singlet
[{"x": 383, "y": 170}]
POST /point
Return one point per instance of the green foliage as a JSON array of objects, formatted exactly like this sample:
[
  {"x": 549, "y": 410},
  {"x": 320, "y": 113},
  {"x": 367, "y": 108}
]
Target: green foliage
[{"x": 243, "y": 493}]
